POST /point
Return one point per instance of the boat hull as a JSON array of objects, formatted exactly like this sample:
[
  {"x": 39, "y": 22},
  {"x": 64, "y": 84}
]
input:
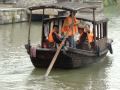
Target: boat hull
[{"x": 66, "y": 59}]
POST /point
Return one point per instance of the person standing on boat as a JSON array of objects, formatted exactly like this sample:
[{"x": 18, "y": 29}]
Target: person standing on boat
[{"x": 70, "y": 28}]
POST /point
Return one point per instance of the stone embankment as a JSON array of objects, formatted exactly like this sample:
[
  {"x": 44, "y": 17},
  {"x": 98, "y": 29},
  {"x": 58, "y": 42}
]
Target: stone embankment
[
  {"x": 18, "y": 12},
  {"x": 28, "y": 3},
  {"x": 12, "y": 15}
]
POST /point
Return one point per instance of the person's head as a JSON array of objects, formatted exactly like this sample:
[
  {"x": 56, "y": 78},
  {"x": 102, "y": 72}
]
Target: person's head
[
  {"x": 80, "y": 30},
  {"x": 55, "y": 27},
  {"x": 87, "y": 28},
  {"x": 72, "y": 13}
]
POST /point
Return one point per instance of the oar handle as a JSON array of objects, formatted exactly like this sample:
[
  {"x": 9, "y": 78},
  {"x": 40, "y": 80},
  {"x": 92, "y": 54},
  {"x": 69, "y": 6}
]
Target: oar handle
[{"x": 54, "y": 58}]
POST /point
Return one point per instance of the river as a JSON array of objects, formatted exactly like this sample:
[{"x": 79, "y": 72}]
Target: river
[{"x": 18, "y": 73}]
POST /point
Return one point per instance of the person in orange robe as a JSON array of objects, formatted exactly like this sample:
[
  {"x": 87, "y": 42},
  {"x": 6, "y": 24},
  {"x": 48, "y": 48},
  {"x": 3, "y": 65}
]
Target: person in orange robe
[
  {"x": 70, "y": 28},
  {"x": 54, "y": 36},
  {"x": 90, "y": 36}
]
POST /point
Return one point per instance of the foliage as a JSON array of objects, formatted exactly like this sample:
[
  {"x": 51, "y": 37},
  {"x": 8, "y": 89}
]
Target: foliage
[{"x": 109, "y": 2}]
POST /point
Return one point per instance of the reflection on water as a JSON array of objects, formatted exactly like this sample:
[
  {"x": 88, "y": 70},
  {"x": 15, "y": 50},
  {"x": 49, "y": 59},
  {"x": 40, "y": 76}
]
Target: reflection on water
[
  {"x": 14, "y": 62},
  {"x": 17, "y": 72},
  {"x": 90, "y": 78}
]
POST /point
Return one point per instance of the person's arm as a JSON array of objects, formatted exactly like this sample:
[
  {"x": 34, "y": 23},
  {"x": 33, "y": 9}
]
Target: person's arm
[
  {"x": 76, "y": 21},
  {"x": 66, "y": 22},
  {"x": 83, "y": 37},
  {"x": 56, "y": 38}
]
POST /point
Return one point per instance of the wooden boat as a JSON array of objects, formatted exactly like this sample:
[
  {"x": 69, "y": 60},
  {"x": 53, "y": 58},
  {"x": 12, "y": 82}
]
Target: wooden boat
[{"x": 70, "y": 57}]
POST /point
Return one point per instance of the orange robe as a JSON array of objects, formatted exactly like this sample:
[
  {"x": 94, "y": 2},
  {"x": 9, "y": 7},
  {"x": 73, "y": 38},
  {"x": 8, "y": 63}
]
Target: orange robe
[
  {"x": 50, "y": 37},
  {"x": 90, "y": 37},
  {"x": 67, "y": 26}
]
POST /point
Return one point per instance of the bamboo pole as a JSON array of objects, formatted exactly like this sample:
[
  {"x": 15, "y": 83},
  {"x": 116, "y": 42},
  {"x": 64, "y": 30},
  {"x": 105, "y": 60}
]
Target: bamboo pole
[
  {"x": 54, "y": 58},
  {"x": 58, "y": 51},
  {"x": 29, "y": 28}
]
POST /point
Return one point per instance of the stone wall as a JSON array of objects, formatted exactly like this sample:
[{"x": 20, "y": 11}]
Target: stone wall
[
  {"x": 27, "y": 3},
  {"x": 8, "y": 1},
  {"x": 12, "y": 15}
]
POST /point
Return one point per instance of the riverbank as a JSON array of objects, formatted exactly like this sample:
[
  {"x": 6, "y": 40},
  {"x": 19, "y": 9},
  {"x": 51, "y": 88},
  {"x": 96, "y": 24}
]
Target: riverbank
[
  {"x": 9, "y": 14},
  {"x": 37, "y": 15},
  {"x": 12, "y": 15}
]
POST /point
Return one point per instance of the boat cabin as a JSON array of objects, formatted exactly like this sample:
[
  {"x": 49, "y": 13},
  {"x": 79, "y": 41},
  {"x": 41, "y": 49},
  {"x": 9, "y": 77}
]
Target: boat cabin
[
  {"x": 98, "y": 25},
  {"x": 99, "y": 28}
]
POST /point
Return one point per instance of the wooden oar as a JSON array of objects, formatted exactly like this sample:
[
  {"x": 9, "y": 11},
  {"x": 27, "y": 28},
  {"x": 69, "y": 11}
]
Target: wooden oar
[
  {"x": 55, "y": 57},
  {"x": 58, "y": 50}
]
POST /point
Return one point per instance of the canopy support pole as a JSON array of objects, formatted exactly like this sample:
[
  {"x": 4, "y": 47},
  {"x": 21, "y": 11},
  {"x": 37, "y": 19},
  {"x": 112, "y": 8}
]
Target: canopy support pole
[
  {"x": 29, "y": 27},
  {"x": 94, "y": 30},
  {"x": 72, "y": 28},
  {"x": 42, "y": 36}
]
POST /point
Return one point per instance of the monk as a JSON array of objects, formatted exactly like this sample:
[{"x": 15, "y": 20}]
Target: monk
[
  {"x": 70, "y": 28},
  {"x": 82, "y": 38},
  {"x": 90, "y": 36},
  {"x": 54, "y": 37}
]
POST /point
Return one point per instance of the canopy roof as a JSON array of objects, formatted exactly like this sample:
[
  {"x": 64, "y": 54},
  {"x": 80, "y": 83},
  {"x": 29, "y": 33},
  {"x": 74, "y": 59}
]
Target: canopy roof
[{"x": 70, "y": 6}]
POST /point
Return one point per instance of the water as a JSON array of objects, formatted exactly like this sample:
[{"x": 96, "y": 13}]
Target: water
[{"x": 18, "y": 73}]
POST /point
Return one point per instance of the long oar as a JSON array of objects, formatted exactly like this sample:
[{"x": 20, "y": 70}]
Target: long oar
[
  {"x": 54, "y": 58},
  {"x": 57, "y": 52}
]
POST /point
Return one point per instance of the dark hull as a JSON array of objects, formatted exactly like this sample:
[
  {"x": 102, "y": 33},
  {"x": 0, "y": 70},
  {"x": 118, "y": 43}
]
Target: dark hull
[{"x": 72, "y": 58}]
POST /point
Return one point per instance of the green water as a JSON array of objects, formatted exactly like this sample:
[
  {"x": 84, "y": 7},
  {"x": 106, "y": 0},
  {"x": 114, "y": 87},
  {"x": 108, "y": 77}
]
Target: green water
[{"x": 18, "y": 73}]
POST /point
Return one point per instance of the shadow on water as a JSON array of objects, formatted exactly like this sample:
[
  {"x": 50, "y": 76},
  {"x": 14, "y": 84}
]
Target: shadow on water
[{"x": 92, "y": 77}]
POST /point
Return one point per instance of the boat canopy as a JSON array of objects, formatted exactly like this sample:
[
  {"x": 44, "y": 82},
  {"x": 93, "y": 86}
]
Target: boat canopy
[
  {"x": 69, "y": 6},
  {"x": 73, "y": 6}
]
